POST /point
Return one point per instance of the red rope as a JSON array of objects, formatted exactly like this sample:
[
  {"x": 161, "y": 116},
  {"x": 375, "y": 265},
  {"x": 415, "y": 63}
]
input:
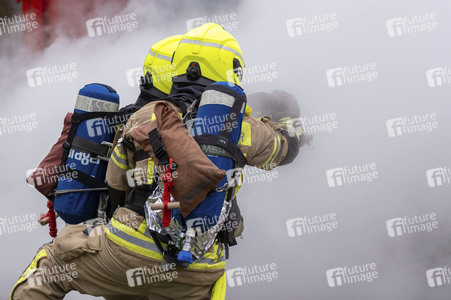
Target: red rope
[
  {"x": 52, "y": 219},
  {"x": 168, "y": 184}
]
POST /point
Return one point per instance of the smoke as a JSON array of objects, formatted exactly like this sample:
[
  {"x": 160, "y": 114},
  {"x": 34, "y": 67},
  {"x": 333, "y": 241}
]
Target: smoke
[{"x": 277, "y": 57}]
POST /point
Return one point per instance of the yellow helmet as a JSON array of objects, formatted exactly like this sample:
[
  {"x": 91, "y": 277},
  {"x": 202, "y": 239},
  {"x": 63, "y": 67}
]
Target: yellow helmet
[
  {"x": 208, "y": 54},
  {"x": 158, "y": 63}
]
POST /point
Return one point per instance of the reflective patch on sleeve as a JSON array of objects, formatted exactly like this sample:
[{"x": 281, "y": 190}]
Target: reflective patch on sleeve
[
  {"x": 246, "y": 138},
  {"x": 150, "y": 166},
  {"x": 219, "y": 288},
  {"x": 119, "y": 159},
  {"x": 30, "y": 270},
  {"x": 274, "y": 152}
]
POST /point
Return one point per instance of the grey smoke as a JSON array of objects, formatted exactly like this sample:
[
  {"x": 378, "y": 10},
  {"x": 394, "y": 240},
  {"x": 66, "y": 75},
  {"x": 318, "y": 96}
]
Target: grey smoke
[{"x": 301, "y": 188}]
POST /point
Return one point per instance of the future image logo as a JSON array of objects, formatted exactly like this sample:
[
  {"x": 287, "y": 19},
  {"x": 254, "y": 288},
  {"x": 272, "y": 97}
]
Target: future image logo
[
  {"x": 311, "y": 24},
  {"x": 347, "y": 175},
  {"x": 51, "y": 75},
  {"x": 410, "y": 225},
  {"x": 110, "y": 25},
  {"x": 351, "y": 275},
  {"x": 411, "y": 124},
  {"x": 340, "y": 76},
  {"x": 248, "y": 275},
  {"x": 228, "y": 21},
  {"x": 18, "y": 23},
  {"x": 438, "y": 276},
  {"x": 134, "y": 76},
  {"x": 401, "y": 26},
  {"x": 438, "y": 76},
  {"x": 314, "y": 224},
  {"x": 18, "y": 123},
  {"x": 438, "y": 176},
  {"x": 150, "y": 275}
]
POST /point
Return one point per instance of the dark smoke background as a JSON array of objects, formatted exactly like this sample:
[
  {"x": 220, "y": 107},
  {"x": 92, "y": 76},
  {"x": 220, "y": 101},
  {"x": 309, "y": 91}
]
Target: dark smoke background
[{"x": 301, "y": 188}]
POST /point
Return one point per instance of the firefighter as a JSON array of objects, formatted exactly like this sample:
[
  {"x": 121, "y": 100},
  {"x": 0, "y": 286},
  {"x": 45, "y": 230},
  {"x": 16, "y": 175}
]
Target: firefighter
[{"x": 116, "y": 260}]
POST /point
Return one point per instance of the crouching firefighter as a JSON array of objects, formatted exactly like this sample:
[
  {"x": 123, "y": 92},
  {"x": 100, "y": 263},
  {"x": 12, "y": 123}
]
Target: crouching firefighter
[{"x": 137, "y": 254}]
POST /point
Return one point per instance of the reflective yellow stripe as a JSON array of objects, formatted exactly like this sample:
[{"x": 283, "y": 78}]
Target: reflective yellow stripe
[
  {"x": 150, "y": 165},
  {"x": 30, "y": 270},
  {"x": 137, "y": 241},
  {"x": 142, "y": 228},
  {"x": 216, "y": 257},
  {"x": 219, "y": 288},
  {"x": 274, "y": 152},
  {"x": 130, "y": 246},
  {"x": 246, "y": 138},
  {"x": 120, "y": 159}
]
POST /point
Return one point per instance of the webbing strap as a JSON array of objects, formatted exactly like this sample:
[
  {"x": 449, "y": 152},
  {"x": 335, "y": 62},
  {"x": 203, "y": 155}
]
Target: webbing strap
[
  {"x": 88, "y": 146},
  {"x": 225, "y": 143},
  {"x": 85, "y": 178},
  {"x": 141, "y": 155},
  {"x": 158, "y": 147},
  {"x": 75, "y": 121}
]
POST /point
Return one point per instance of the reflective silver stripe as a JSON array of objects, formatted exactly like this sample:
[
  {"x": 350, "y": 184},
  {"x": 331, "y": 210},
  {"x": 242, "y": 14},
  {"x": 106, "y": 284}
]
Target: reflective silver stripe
[
  {"x": 131, "y": 239},
  {"x": 210, "y": 44},
  {"x": 218, "y": 251},
  {"x": 209, "y": 261},
  {"x": 118, "y": 159},
  {"x": 90, "y": 104},
  {"x": 161, "y": 56},
  {"x": 186, "y": 41},
  {"x": 276, "y": 151},
  {"x": 152, "y": 247}
]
